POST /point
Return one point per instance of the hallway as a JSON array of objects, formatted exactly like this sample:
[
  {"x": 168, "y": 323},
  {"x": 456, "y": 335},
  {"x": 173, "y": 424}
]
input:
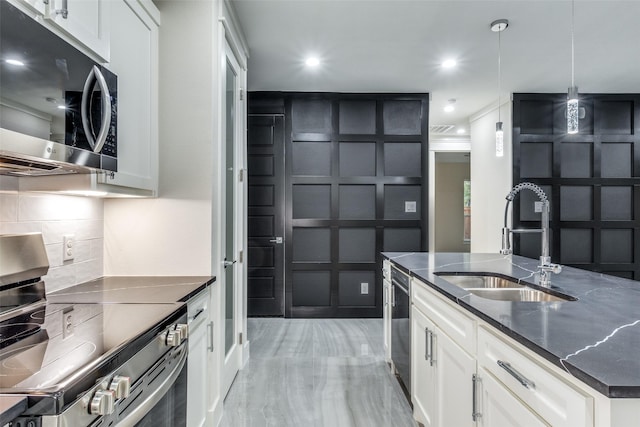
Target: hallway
[{"x": 316, "y": 372}]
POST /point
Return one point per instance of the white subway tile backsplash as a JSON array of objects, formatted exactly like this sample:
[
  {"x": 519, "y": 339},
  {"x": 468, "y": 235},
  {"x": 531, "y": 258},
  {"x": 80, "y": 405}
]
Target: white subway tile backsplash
[
  {"x": 55, "y": 216},
  {"x": 9, "y": 207}
]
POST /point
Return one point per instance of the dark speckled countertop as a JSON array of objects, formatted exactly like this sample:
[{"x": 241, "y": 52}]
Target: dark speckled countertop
[
  {"x": 596, "y": 338},
  {"x": 133, "y": 289}
]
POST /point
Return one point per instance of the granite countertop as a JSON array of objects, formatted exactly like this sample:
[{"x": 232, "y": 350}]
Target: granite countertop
[
  {"x": 133, "y": 289},
  {"x": 596, "y": 338}
]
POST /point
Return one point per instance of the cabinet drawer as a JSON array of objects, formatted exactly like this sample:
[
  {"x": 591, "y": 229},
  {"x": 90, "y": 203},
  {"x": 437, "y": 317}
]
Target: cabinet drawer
[
  {"x": 198, "y": 309},
  {"x": 449, "y": 318},
  {"x": 556, "y": 401}
]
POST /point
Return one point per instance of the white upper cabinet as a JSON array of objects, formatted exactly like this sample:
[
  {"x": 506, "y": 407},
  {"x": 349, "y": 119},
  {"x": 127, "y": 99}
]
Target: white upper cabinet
[
  {"x": 134, "y": 59},
  {"x": 86, "y": 21},
  {"x": 37, "y": 6}
]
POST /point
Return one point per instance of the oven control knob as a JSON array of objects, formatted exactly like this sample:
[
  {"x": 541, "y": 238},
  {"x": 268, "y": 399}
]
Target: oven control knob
[
  {"x": 120, "y": 386},
  {"x": 173, "y": 338},
  {"x": 184, "y": 330},
  {"x": 102, "y": 403}
]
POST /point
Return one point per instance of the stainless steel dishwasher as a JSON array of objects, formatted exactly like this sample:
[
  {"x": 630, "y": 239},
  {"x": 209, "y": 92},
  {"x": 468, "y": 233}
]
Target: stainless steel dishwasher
[{"x": 401, "y": 328}]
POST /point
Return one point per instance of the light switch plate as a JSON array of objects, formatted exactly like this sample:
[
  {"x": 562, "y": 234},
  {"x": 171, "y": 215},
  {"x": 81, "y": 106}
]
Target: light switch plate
[
  {"x": 410, "y": 207},
  {"x": 537, "y": 207},
  {"x": 364, "y": 288}
]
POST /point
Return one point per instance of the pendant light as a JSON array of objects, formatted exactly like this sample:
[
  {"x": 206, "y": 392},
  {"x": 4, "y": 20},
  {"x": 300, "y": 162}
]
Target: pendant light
[
  {"x": 498, "y": 26},
  {"x": 573, "y": 112}
]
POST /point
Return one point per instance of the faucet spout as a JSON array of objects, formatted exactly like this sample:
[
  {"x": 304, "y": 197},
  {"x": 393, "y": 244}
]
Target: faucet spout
[{"x": 546, "y": 267}]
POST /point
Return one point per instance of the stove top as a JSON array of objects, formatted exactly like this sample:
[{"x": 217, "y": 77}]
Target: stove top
[{"x": 50, "y": 347}]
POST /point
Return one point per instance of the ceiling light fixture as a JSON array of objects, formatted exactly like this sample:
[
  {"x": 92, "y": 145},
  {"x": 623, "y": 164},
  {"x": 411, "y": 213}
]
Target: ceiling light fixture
[
  {"x": 312, "y": 61},
  {"x": 16, "y": 62},
  {"x": 450, "y": 106},
  {"x": 498, "y": 26},
  {"x": 449, "y": 63},
  {"x": 460, "y": 131},
  {"x": 573, "y": 112}
]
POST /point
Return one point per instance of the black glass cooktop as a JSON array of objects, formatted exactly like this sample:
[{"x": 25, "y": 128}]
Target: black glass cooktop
[{"x": 45, "y": 348}]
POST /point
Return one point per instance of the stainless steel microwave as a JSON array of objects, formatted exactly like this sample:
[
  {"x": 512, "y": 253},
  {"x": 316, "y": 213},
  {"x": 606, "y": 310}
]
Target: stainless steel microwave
[{"x": 58, "y": 107}]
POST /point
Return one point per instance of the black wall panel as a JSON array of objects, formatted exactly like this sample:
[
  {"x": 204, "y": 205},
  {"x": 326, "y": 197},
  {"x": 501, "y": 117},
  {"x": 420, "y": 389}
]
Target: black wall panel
[
  {"x": 352, "y": 162},
  {"x": 592, "y": 179}
]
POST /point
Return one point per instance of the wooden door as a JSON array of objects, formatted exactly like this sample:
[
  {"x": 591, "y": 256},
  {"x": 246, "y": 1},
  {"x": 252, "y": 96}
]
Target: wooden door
[{"x": 265, "y": 265}]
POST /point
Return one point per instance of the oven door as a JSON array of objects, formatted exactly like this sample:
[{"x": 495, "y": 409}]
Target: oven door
[{"x": 162, "y": 397}]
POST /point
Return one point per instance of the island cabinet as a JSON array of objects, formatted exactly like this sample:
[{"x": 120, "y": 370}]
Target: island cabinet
[
  {"x": 467, "y": 373},
  {"x": 442, "y": 362}
]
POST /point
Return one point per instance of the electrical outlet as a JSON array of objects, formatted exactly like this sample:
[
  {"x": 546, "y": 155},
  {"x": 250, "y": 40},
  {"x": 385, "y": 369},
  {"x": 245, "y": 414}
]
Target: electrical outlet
[
  {"x": 364, "y": 288},
  {"x": 67, "y": 322},
  {"x": 68, "y": 247}
]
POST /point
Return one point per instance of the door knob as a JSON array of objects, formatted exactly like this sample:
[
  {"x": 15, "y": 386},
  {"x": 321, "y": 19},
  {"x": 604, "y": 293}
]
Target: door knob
[
  {"x": 226, "y": 263},
  {"x": 278, "y": 240}
]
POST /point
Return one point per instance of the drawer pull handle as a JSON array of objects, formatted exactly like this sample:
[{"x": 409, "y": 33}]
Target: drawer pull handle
[
  {"x": 517, "y": 375},
  {"x": 475, "y": 414}
]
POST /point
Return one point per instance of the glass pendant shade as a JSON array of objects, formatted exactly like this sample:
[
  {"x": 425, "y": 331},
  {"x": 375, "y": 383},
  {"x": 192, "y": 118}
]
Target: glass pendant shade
[
  {"x": 573, "y": 111},
  {"x": 499, "y": 140}
]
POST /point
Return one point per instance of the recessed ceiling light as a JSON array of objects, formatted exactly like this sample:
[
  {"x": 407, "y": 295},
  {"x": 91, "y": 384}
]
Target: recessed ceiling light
[
  {"x": 312, "y": 61},
  {"x": 460, "y": 131},
  {"x": 14, "y": 62},
  {"x": 62, "y": 107},
  {"x": 449, "y": 63},
  {"x": 450, "y": 105}
]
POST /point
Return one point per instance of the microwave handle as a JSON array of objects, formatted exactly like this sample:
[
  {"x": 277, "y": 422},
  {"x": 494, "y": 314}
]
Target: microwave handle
[{"x": 96, "y": 143}]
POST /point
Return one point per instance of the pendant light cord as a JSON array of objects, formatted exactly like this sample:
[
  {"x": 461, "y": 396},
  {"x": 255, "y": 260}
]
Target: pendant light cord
[
  {"x": 499, "y": 71},
  {"x": 572, "y": 43}
]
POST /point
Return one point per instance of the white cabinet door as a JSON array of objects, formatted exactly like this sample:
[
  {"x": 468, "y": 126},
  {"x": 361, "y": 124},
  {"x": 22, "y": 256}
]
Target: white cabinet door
[
  {"x": 423, "y": 371},
  {"x": 134, "y": 61},
  {"x": 455, "y": 370},
  {"x": 86, "y": 21},
  {"x": 498, "y": 407},
  {"x": 198, "y": 312}
]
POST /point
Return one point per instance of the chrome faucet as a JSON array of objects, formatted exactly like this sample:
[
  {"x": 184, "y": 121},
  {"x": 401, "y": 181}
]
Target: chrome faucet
[{"x": 546, "y": 266}]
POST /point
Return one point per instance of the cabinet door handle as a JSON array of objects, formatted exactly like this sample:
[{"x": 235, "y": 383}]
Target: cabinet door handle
[
  {"x": 426, "y": 344},
  {"x": 393, "y": 296},
  {"x": 526, "y": 383},
  {"x": 64, "y": 10},
  {"x": 474, "y": 392},
  {"x": 210, "y": 336},
  {"x": 431, "y": 349}
]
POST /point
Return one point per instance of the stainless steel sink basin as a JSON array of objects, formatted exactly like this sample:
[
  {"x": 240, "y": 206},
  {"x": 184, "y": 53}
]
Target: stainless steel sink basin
[
  {"x": 503, "y": 289},
  {"x": 491, "y": 282}
]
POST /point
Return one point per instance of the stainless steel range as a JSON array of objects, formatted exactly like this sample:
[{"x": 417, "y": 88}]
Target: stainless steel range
[{"x": 86, "y": 364}]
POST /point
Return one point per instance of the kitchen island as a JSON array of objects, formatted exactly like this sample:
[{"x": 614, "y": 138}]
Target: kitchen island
[{"x": 594, "y": 337}]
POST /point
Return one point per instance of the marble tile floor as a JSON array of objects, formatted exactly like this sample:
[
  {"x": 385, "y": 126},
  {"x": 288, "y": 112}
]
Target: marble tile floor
[{"x": 316, "y": 372}]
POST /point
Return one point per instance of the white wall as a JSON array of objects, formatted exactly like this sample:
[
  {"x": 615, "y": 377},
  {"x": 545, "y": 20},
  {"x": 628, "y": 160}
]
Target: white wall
[
  {"x": 491, "y": 179},
  {"x": 174, "y": 234},
  {"x": 55, "y": 216}
]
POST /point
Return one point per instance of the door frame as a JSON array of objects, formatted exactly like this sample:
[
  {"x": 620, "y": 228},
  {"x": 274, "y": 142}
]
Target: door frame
[
  {"x": 435, "y": 146},
  {"x": 239, "y": 352}
]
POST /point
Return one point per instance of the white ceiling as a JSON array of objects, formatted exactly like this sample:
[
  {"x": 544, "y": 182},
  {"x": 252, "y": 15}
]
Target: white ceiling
[{"x": 398, "y": 45}]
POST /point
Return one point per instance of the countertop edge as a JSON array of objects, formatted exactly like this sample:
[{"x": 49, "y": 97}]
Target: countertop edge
[{"x": 199, "y": 289}]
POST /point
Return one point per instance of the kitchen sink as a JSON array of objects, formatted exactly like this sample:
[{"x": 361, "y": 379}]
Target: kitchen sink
[{"x": 503, "y": 289}]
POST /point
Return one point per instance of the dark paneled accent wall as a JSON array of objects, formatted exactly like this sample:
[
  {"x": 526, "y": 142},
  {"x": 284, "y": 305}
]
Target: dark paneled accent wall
[
  {"x": 356, "y": 185},
  {"x": 592, "y": 179}
]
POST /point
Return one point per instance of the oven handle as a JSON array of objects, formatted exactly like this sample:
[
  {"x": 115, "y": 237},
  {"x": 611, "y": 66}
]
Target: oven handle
[
  {"x": 400, "y": 285},
  {"x": 143, "y": 409}
]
